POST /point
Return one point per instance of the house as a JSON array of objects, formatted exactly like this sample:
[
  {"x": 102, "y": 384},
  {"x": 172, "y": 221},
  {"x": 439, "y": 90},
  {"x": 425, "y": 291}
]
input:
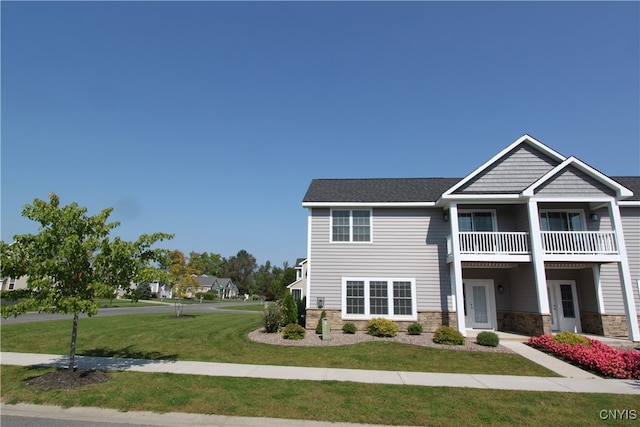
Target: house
[
  {"x": 299, "y": 287},
  {"x": 531, "y": 242},
  {"x": 13, "y": 284},
  {"x": 224, "y": 286},
  {"x": 227, "y": 288}
]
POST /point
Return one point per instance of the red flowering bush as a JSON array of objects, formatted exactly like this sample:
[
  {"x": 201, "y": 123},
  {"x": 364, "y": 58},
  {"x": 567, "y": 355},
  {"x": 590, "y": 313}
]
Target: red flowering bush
[{"x": 597, "y": 356}]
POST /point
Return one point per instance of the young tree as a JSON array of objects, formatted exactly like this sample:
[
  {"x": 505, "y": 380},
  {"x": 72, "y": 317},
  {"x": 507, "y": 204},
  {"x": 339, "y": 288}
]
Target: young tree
[
  {"x": 72, "y": 260},
  {"x": 181, "y": 276}
]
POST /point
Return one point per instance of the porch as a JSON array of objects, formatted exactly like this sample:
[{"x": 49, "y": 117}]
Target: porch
[{"x": 516, "y": 246}]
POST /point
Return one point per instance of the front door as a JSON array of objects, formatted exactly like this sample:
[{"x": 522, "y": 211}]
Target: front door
[
  {"x": 479, "y": 304},
  {"x": 563, "y": 305}
]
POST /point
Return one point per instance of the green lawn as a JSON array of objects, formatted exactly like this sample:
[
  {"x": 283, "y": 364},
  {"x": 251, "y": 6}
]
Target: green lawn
[
  {"x": 323, "y": 400},
  {"x": 222, "y": 337}
]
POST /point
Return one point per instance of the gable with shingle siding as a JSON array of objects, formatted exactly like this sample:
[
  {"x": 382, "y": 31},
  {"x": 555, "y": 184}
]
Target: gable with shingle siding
[
  {"x": 511, "y": 174},
  {"x": 574, "y": 182}
]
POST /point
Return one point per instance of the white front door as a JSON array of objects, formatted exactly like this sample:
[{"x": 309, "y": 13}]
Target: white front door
[
  {"x": 563, "y": 305},
  {"x": 479, "y": 304}
]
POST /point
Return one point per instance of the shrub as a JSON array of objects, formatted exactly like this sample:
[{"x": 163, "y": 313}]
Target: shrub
[
  {"x": 414, "y": 329},
  {"x": 489, "y": 339},
  {"x": 273, "y": 317},
  {"x": 319, "y": 325},
  {"x": 293, "y": 331},
  {"x": 598, "y": 357},
  {"x": 301, "y": 307},
  {"x": 570, "y": 338},
  {"x": 289, "y": 308},
  {"x": 380, "y": 327},
  {"x": 448, "y": 336},
  {"x": 349, "y": 328}
]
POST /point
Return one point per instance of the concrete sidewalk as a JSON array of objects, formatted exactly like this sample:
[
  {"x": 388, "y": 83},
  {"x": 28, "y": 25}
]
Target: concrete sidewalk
[{"x": 574, "y": 380}]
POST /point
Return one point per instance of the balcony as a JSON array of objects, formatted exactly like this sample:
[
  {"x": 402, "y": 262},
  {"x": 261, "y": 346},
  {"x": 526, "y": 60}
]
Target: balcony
[{"x": 516, "y": 246}]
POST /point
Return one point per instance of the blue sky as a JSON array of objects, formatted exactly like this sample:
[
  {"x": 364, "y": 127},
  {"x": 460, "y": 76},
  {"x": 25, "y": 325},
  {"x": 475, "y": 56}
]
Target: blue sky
[{"x": 210, "y": 119}]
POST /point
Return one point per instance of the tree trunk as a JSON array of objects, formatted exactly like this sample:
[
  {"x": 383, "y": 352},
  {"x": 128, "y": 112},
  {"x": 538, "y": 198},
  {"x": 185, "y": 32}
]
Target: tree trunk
[{"x": 74, "y": 335}]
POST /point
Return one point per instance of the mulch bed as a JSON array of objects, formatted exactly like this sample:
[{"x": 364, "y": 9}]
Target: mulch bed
[{"x": 62, "y": 379}]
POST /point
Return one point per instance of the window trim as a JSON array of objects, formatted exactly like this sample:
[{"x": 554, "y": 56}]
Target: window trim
[
  {"x": 494, "y": 218},
  {"x": 390, "y": 299},
  {"x": 351, "y": 226},
  {"x": 580, "y": 212}
]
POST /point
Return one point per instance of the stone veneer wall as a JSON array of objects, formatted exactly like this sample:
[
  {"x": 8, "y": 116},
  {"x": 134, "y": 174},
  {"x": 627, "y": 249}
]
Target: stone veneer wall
[
  {"x": 523, "y": 322},
  {"x": 430, "y": 320},
  {"x": 591, "y": 323},
  {"x": 615, "y": 325}
]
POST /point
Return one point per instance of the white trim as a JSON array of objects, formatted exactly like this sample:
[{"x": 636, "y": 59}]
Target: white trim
[
  {"x": 309, "y": 223},
  {"x": 627, "y": 203},
  {"x": 367, "y": 308},
  {"x": 598, "y": 283},
  {"x": 620, "y": 190},
  {"x": 359, "y": 242},
  {"x": 368, "y": 204}
]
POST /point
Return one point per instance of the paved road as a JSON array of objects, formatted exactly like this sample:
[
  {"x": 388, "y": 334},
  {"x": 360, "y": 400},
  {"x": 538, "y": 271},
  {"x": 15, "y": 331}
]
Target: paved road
[
  {"x": 26, "y": 421},
  {"x": 156, "y": 308}
]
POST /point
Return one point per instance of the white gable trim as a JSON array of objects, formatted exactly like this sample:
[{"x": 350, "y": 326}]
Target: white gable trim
[
  {"x": 526, "y": 139},
  {"x": 583, "y": 167}
]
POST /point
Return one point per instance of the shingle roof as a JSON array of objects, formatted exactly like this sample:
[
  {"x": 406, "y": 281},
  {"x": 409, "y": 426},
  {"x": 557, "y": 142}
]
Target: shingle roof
[
  {"x": 378, "y": 190},
  {"x": 390, "y": 190},
  {"x": 632, "y": 183}
]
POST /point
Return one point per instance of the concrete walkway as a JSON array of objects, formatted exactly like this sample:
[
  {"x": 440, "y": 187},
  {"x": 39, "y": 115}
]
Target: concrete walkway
[{"x": 573, "y": 380}]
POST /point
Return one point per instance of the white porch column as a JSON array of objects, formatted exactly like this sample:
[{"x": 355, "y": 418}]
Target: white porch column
[
  {"x": 537, "y": 257},
  {"x": 456, "y": 270},
  {"x": 625, "y": 274}
]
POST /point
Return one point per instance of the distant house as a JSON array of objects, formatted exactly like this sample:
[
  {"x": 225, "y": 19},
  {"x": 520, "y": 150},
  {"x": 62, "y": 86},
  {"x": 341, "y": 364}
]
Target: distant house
[
  {"x": 161, "y": 290},
  {"x": 13, "y": 284},
  {"x": 531, "y": 241},
  {"x": 299, "y": 287},
  {"x": 227, "y": 288},
  {"x": 224, "y": 286}
]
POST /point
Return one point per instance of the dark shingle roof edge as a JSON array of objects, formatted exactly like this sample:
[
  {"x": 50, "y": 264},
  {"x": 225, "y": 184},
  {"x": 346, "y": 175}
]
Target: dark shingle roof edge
[{"x": 404, "y": 190}]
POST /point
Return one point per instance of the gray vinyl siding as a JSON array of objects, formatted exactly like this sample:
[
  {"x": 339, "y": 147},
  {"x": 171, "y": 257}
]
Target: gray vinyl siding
[
  {"x": 516, "y": 171},
  {"x": 406, "y": 243},
  {"x": 522, "y": 289},
  {"x": 576, "y": 183}
]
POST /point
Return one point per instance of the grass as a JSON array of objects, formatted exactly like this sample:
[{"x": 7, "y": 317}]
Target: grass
[
  {"x": 222, "y": 337},
  {"x": 105, "y": 303},
  {"x": 329, "y": 401}
]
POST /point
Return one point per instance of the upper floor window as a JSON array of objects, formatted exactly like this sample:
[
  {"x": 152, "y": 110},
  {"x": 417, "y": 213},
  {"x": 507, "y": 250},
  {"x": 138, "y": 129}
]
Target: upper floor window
[
  {"x": 475, "y": 221},
  {"x": 351, "y": 226},
  {"x": 561, "y": 221}
]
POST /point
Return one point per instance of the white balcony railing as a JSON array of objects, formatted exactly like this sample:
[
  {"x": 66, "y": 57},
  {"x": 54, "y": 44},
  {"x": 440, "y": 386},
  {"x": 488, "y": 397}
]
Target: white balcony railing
[
  {"x": 494, "y": 243},
  {"x": 579, "y": 242},
  {"x": 553, "y": 243}
]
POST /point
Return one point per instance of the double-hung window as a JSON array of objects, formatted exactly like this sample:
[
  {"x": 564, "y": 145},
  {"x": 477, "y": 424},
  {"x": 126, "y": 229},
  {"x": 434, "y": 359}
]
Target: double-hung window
[
  {"x": 350, "y": 225},
  {"x": 366, "y": 298}
]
